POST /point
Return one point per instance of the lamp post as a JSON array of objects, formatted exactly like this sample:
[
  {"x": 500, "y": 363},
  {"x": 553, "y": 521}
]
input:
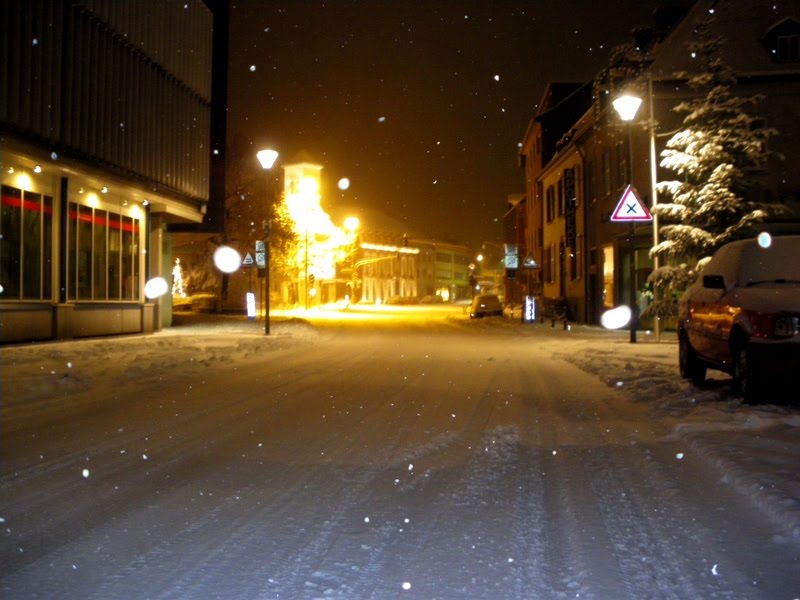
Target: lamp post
[
  {"x": 267, "y": 159},
  {"x": 651, "y": 131},
  {"x": 627, "y": 106}
]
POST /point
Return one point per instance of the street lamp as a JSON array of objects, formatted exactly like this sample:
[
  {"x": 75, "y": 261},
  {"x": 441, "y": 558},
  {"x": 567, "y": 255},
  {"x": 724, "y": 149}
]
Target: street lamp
[
  {"x": 627, "y": 106},
  {"x": 267, "y": 159}
]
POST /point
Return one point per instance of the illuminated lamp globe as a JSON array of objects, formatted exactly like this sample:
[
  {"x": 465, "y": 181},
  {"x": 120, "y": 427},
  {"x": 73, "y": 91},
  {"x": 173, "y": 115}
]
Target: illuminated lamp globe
[
  {"x": 227, "y": 259},
  {"x": 764, "y": 239},
  {"x": 627, "y": 106},
  {"x": 267, "y": 158},
  {"x": 155, "y": 288},
  {"x": 344, "y": 183}
]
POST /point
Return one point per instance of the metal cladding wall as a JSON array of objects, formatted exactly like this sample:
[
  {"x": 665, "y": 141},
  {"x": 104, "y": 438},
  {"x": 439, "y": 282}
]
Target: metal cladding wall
[{"x": 123, "y": 84}]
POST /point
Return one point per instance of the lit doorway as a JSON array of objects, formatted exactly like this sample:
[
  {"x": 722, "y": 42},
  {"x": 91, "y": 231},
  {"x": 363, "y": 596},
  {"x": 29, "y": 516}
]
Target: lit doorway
[{"x": 608, "y": 277}]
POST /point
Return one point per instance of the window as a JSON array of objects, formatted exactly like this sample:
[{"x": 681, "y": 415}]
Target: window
[
  {"x": 551, "y": 200},
  {"x": 102, "y": 255},
  {"x": 100, "y": 258},
  {"x": 576, "y": 258},
  {"x": 560, "y": 197},
  {"x": 606, "y": 173},
  {"x": 26, "y": 244},
  {"x": 114, "y": 252},
  {"x": 608, "y": 277},
  {"x": 550, "y": 264},
  {"x": 789, "y": 48}
]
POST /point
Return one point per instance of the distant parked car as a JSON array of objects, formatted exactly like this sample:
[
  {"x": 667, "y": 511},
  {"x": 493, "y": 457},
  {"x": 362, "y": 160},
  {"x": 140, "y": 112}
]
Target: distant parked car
[
  {"x": 742, "y": 317},
  {"x": 485, "y": 305},
  {"x": 432, "y": 299}
]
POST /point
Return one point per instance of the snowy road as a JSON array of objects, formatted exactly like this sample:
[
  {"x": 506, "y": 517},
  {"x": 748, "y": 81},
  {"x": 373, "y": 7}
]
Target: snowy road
[{"x": 454, "y": 460}]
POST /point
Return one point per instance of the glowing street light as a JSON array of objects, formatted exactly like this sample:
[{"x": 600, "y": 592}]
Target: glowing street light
[
  {"x": 627, "y": 106},
  {"x": 267, "y": 158}
]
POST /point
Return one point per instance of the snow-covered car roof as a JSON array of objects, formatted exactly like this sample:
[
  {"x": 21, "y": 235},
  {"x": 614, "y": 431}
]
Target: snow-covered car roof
[{"x": 747, "y": 261}]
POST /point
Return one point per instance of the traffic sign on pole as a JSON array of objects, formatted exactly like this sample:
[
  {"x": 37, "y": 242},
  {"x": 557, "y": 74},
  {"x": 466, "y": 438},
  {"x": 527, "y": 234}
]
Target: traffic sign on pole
[{"x": 630, "y": 208}]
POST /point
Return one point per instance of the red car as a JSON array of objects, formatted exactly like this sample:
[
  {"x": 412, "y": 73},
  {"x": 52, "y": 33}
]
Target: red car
[{"x": 742, "y": 316}]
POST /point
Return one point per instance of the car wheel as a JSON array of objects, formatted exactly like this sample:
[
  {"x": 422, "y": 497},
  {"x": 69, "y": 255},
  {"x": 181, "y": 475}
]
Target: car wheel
[
  {"x": 744, "y": 377},
  {"x": 690, "y": 364}
]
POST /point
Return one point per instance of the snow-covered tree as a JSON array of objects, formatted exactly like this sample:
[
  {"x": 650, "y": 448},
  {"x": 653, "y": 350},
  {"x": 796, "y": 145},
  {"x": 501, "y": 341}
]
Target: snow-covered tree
[{"x": 717, "y": 157}]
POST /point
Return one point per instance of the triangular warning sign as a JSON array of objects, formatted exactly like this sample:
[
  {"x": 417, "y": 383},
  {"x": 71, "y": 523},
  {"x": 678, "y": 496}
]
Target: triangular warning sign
[
  {"x": 248, "y": 260},
  {"x": 630, "y": 208}
]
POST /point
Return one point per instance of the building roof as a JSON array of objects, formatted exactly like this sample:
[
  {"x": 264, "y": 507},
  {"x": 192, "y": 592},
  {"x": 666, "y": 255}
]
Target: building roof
[{"x": 744, "y": 25}]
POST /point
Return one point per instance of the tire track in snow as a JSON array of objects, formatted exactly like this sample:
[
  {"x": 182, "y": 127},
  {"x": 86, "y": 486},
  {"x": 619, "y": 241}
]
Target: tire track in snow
[{"x": 646, "y": 513}]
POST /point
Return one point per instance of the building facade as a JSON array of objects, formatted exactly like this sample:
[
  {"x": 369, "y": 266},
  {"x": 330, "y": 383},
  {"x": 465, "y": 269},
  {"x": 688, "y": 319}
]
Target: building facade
[
  {"x": 577, "y": 153},
  {"x": 443, "y": 270},
  {"x": 104, "y": 141}
]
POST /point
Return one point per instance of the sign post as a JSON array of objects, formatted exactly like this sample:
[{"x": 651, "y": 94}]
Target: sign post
[{"x": 631, "y": 209}]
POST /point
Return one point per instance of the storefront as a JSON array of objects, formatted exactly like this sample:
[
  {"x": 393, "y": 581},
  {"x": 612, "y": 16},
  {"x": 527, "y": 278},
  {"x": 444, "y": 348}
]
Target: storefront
[{"x": 76, "y": 251}]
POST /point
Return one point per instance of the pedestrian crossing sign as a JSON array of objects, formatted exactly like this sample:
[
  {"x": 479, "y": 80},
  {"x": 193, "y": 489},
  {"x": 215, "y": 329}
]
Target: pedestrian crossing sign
[{"x": 630, "y": 208}]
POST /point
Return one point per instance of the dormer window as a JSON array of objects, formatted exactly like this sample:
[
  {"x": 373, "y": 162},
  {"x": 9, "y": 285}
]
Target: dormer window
[
  {"x": 782, "y": 41},
  {"x": 788, "y": 48}
]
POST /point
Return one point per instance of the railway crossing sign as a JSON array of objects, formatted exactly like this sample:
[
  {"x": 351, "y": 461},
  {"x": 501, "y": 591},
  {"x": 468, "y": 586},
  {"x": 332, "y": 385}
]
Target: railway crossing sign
[{"x": 630, "y": 208}]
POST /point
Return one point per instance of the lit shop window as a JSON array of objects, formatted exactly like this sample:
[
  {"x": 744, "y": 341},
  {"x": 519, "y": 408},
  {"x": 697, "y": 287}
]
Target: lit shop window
[
  {"x": 26, "y": 245},
  {"x": 103, "y": 255}
]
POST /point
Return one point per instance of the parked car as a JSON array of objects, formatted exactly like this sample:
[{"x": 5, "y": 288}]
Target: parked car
[
  {"x": 742, "y": 317},
  {"x": 485, "y": 305},
  {"x": 432, "y": 299}
]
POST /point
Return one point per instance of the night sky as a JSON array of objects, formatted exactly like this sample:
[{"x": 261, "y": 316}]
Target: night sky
[{"x": 421, "y": 104}]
